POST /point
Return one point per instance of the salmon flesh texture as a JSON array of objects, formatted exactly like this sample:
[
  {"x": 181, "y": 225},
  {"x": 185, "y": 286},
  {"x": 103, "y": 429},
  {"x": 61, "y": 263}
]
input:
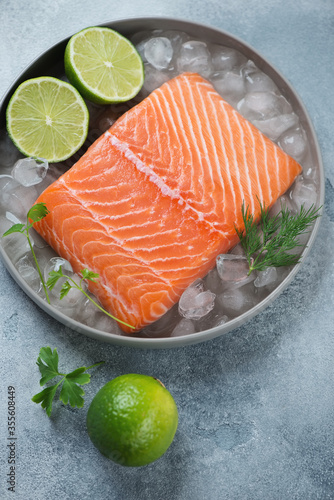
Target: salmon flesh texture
[{"x": 157, "y": 197}]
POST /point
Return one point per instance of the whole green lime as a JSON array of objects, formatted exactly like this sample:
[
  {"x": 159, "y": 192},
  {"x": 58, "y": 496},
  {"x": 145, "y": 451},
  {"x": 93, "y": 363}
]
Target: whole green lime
[{"x": 132, "y": 420}]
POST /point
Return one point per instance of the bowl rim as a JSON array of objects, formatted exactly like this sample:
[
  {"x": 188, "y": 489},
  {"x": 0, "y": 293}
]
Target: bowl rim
[{"x": 125, "y": 25}]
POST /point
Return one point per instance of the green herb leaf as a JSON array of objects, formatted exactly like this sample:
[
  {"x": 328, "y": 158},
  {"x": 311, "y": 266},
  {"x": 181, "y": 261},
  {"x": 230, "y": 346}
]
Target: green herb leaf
[
  {"x": 78, "y": 376},
  {"x": 65, "y": 289},
  {"x": 70, "y": 283},
  {"x": 54, "y": 277},
  {"x": 37, "y": 212},
  {"x": 48, "y": 369},
  {"x": 278, "y": 236},
  {"x": 89, "y": 275},
  {"x": 16, "y": 228},
  {"x": 71, "y": 392},
  {"x": 46, "y": 397}
]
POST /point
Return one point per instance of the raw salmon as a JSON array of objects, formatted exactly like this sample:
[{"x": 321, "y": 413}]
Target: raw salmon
[{"x": 156, "y": 198}]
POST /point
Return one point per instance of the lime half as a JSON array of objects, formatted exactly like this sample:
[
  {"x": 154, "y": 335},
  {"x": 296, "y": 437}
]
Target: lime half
[
  {"x": 103, "y": 65},
  {"x": 47, "y": 118}
]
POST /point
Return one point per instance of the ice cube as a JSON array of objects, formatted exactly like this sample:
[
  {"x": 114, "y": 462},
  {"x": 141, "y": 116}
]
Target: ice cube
[
  {"x": 230, "y": 85},
  {"x": 195, "y": 302},
  {"x": 194, "y": 56},
  {"x": 39, "y": 242},
  {"x": 12, "y": 218},
  {"x": 176, "y": 38},
  {"x": 158, "y": 52},
  {"x": 225, "y": 58},
  {"x": 309, "y": 170},
  {"x": 256, "y": 80},
  {"x": 71, "y": 305},
  {"x": 141, "y": 49},
  {"x": 6, "y": 182},
  {"x": 153, "y": 79},
  {"x": 26, "y": 268},
  {"x": 142, "y": 36},
  {"x": 213, "y": 281},
  {"x": 73, "y": 302},
  {"x": 294, "y": 144},
  {"x": 91, "y": 316},
  {"x": 30, "y": 171},
  {"x": 303, "y": 193},
  {"x": 104, "y": 323},
  {"x": 16, "y": 244},
  {"x": 53, "y": 173},
  {"x": 210, "y": 320},
  {"x": 236, "y": 301},
  {"x": 266, "y": 278},
  {"x": 222, "y": 321},
  {"x": 184, "y": 327},
  {"x": 18, "y": 199},
  {"x": 232, "y": 268},
  {"x": 263, "y": 105},
  {"x": 275, "y": 126}
]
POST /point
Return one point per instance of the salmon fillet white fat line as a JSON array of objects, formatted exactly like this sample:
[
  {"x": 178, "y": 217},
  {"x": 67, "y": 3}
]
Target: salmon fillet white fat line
[{"x": 156, "y": 198}]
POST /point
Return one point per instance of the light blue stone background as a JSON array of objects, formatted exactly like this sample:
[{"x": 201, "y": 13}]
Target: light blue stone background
[{"x": 256, "y": 406}]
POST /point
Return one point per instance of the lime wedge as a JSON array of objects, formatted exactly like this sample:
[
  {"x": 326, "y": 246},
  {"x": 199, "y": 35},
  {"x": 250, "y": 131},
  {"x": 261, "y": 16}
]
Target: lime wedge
[
  {"x": 103, "y": 65},
  {"x": 47, "y": 118}
]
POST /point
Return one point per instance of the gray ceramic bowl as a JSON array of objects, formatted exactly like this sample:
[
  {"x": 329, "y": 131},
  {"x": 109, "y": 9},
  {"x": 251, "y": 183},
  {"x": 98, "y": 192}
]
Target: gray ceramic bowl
[{"x": 51, "y": 63}]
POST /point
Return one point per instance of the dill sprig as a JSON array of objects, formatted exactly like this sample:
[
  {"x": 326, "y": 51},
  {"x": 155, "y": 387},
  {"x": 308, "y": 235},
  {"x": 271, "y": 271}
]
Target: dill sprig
[{"x": 270, "y": 243}]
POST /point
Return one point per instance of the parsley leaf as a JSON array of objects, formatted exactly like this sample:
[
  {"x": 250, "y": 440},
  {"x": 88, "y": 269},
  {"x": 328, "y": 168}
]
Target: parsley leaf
[
  {"x": 89, "y": 275},
  {"x": 48, "y": 369},
  {"x": 46, "y": 397},
  {"x": 53, "y": 278},
  {"x": 66, "y": 287},
  {"x": 36, "y": 213},
  {"x": 16, "y": 228},
  {"x": 71, "y": 392},
  {"x": 86, "y": 274}
]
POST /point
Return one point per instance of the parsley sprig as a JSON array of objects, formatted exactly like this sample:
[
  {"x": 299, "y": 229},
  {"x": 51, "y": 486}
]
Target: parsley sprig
[
  {"x": 54, "y": 276},
  {"x": 36, "y": 213},
  {"x": 269, "y": 243},
  {"x": 71, "y": 390}
]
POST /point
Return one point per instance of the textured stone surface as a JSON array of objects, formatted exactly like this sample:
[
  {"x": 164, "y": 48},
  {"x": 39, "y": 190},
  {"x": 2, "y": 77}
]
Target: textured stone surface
[{"x": 256, "y": 406}]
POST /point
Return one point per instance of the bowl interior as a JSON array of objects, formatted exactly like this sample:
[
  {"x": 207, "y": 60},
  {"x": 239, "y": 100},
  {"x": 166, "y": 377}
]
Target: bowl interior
[{"x": 50, "y": 63}]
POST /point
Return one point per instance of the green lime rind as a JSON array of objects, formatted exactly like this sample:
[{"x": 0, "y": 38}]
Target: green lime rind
[
  {"x": 47, "y": 118},
  {"x": 103, "y": 65},
  {"x": 132, "y": 420}
]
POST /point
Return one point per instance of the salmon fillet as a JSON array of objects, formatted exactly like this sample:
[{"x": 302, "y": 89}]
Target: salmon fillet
[{"x": 156, "y": 198}]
